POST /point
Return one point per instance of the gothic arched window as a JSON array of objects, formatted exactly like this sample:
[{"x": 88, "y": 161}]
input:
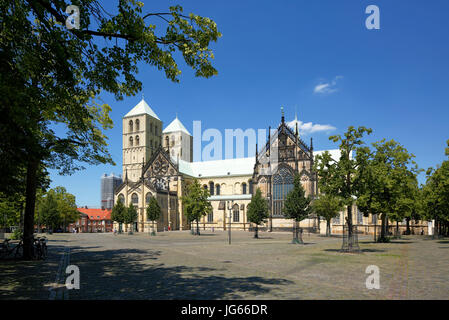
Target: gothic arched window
[
  {"x": 250, "y": 186},
  {"x": 121, "y": 198},
  {"x": 282, "y": 184},
  {"x": 135, "y": 199},
  {"x": 130, "y": 126},
  {"x": 147, "y": 198}
]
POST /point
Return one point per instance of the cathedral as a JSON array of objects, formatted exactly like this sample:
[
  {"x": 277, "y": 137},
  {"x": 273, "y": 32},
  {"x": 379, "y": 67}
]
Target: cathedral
[{"x": 159, "y": 162}]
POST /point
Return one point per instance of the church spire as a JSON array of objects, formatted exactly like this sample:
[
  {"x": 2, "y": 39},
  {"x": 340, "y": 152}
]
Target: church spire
[{"x": 282, "y": 112}]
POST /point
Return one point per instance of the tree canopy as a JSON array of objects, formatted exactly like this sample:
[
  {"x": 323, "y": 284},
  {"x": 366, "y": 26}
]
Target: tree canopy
[
  {"x": 195, "y": 203},
  {"x": 153, "y": 211},
  {"x": 297, "y": 205},
  {"x": 328, "y": 207},
  {"x": 387, "y": 182},
  {"x": 257, "y": 210},
  {"x": 51, "y": 78},
  {"x": 337, "y": 177}
]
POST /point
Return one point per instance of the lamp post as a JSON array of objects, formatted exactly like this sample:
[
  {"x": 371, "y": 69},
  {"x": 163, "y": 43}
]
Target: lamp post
[{"x": 230, "y": 205}]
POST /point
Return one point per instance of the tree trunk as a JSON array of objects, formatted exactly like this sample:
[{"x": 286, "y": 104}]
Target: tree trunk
[
  {"x": 197, "y": 228},
  {"x": 256, "y": 232},
  {"x": 349, "y": 221},
  {"x": 328, "y": 228},
  {"x": 397, "y": 228},
  {"x": 294, "y": 231},
  {"x": 383, "y": 227},
  {"x": 30, "y": 202},
  {"x": 407, "y": 231}
]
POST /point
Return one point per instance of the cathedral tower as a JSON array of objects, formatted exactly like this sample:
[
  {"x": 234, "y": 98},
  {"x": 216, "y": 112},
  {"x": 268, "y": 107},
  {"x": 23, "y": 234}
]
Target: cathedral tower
[
  {"x": 179, "y": 140},
  {"x": 142, "y": 135}
]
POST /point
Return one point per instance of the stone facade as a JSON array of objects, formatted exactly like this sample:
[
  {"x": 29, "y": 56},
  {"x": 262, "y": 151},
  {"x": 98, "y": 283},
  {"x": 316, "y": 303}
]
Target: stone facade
[{"x": 162, "y": 167}]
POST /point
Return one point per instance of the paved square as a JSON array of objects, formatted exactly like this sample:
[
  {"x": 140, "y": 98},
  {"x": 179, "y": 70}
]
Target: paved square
[{"x": 178, "y": 265}]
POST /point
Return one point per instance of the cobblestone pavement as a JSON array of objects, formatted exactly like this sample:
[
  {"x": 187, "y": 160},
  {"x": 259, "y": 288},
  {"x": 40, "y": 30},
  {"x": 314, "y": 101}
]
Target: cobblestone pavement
[{"x": 178, "y": 265}]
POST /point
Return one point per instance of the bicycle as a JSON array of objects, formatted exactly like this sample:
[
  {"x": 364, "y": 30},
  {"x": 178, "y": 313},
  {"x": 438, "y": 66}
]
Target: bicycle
[
  {"x": 5, "y": 250},
  {"x": 40, "y": 248}
]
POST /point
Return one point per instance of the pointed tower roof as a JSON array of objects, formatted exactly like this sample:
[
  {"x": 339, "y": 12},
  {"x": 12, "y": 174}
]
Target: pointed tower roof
[
  {"x": 292, "y": 124},
  {"x": 141, "y": 108},
  {"x": 175, "y": 126}
]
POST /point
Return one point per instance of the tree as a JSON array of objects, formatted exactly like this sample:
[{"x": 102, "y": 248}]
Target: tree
[
  {"x": 328, "y": 207},
  {"x": 49, "y": 211},
  {"x": 387, "y": 182},
  {"x": 153, "y": 212},
  {"x": 257, "y": 211},
  {"x": 297, "y": 206},
  {"x": 195, "y": 203},
  {"x": 53, "y": 74},
  {"x": 130, "y": 217},
  {"x": 436, "y": 196},
  {"x": 337, "y": 177},
  {"x": 118, "y": 214},
  {"x": 66, "y": 206}
]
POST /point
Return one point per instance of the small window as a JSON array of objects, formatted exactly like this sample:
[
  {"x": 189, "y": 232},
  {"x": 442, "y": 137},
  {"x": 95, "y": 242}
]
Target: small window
[
  {"x": 130, "y": 141},
  {"x": 137, "y": 125},
  {"x": 137, "y": 140},
  {"x": 135, "y": 198},
  {"x": 244, "y": 188},
  {"x": 210, "y": 217},
  {"x": 130, "y": 125},
  {"x": 211, "y": 188},
  {"x": 236, "y": 213},
  {"x": 217, "y": 189}
]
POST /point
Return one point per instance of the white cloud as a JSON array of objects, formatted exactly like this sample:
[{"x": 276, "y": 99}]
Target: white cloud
[
  {"x": 309, "y": 127},
  {"x": 327, "y": 87}
]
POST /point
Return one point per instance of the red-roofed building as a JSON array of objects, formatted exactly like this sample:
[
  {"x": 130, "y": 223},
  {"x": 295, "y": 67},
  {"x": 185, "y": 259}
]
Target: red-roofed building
[{"x": 93, "y": 220}]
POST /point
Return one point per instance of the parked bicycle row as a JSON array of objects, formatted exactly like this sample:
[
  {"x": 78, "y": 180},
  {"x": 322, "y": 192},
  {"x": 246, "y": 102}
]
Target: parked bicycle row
[{"x": 10, "y": 250}]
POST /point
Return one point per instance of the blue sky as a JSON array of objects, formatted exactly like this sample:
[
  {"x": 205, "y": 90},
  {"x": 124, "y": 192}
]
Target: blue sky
[{"x": 280, "y": 53}]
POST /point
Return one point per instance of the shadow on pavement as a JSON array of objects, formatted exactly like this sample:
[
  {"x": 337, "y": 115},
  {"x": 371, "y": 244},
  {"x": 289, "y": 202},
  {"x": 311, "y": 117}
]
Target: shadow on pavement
[{"x": 127, "y": 274}]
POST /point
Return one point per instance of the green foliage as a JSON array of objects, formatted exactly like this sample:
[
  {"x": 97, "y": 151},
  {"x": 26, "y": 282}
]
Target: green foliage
[
  {"x": 49, "y": 211},
  {"x": 56, "y": 207},
  {"x": 51, "y": 76},
  {"x": 195, "y": 203},
  {"x": 17, "y": 234},
  {"x": 118, "y": 212},
  {"x": 327, "y": 206},
  {"x": 337, "y": 177},
  {"x": 10, "y": 207},
  {"x": 257, "y": 210},
  {"x": 153, "y": 210},
  {"x": 296, "y": 205},
  {"x": 130, "y": 214},
  {"x": 387, "y": 182},
  {"x": 435, "y": 193}
]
